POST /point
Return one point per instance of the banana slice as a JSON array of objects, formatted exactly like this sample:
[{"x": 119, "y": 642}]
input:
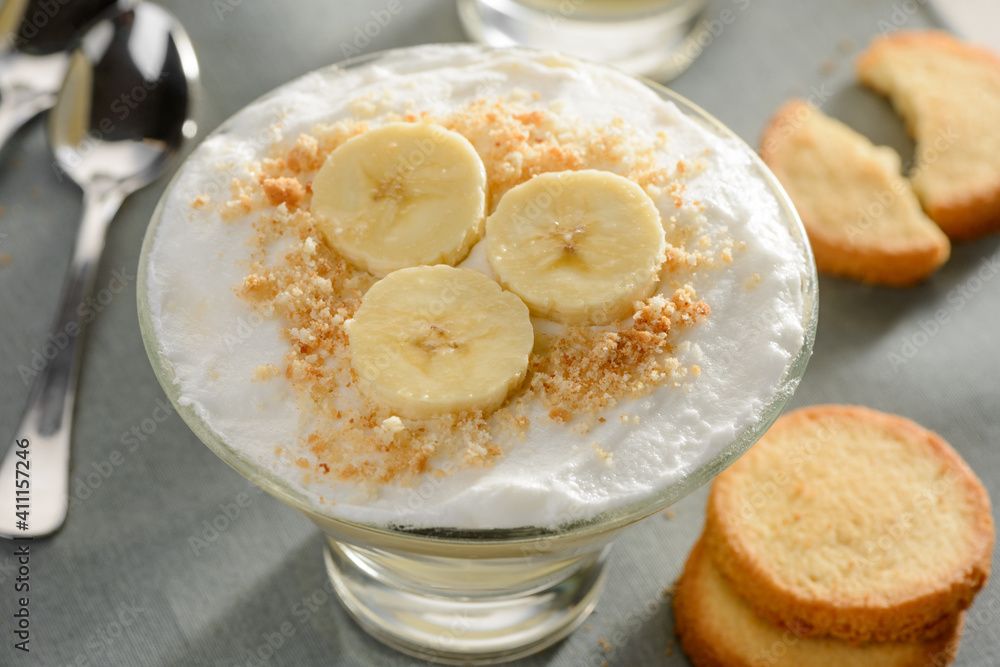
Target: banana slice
[
  {"x": 404, "y": 194},
  {"x": 434, "y": 339},
  {"x": 579, "y": 247}
]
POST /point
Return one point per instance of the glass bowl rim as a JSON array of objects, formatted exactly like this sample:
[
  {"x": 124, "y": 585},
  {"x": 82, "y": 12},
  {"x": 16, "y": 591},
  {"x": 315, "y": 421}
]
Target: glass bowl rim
[{"x": 604, "y": 522}]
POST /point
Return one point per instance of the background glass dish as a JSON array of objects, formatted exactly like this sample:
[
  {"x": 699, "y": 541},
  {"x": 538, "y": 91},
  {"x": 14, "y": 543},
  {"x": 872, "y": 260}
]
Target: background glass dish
[
  {"x": 464, "y": 596},
  {"x": 654, "y": 38}
]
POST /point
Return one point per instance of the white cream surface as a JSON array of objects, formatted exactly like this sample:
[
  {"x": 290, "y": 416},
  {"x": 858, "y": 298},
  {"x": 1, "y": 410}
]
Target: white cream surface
[{"x": 213, "y": 340}]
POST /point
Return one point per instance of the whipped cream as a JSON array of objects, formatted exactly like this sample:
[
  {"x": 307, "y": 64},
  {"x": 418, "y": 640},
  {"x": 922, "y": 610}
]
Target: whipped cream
[{"x": 555, "y": 473}]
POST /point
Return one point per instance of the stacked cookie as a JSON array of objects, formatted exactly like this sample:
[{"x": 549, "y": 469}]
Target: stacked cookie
[
  {"x": 844, "y": 537},
  {"x": 863, "y": 218}
]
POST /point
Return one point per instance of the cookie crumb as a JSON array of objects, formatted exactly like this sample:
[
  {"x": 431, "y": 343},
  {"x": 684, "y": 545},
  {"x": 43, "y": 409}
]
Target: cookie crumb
[
  {"x": 265, "y": 372},
  {"x": 559, "y": 414},
  {"x": 393, "y": 425},
  {"x": 609, "y": 457},
  {"x": 283, "y": 191}
]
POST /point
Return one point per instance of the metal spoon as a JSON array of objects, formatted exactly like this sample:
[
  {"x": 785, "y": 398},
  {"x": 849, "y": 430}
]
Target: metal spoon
[
  {"x": 123, "y": 111},
  {"x": 34, "y": 38}
]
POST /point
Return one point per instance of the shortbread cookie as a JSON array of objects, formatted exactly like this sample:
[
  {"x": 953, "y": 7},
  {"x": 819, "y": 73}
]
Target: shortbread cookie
[
  {"x": 862, "y": 218},
  {"x": 949, "y": 95},
  {"x": 849, "y": 522},
  {"x": 717, "y": 628}
]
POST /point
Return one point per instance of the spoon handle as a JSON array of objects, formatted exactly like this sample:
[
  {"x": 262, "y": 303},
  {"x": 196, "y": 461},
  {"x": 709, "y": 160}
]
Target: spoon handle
[{"x": 40, "y": 452}]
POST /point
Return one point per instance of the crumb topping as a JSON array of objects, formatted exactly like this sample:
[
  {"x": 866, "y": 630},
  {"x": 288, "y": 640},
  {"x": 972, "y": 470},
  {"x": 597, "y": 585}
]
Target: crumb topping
[
  {"x": 587, "y": 369},
  {"x": 577, "y": 374}
]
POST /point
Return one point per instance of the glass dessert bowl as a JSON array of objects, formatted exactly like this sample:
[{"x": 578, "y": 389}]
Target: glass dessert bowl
[{"x": 488, "y": 542}]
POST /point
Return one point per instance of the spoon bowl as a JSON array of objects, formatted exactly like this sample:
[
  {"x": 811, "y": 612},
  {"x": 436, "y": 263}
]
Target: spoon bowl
[
  {"x": 34, "y": 37},
  {"x": 123, "y": 111},
  {"x": 124, "y": 107},
  {"x": 39, "y": 28}
]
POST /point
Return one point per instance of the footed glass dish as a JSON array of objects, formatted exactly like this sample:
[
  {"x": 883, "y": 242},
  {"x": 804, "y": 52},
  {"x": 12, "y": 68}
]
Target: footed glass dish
[{"x": 480, "y": 596}]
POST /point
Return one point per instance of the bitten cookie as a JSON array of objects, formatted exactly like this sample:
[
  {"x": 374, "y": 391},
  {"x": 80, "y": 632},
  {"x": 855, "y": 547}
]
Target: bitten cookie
[
  {"x": 949, "y": 95},
  {"x": 862, "y": 218},
  {"x": 717, "y": 628},
  {"x": 853, "y": 523}
]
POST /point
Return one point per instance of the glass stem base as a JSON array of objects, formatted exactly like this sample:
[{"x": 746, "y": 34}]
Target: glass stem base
[{"x": 464, "y": 611}]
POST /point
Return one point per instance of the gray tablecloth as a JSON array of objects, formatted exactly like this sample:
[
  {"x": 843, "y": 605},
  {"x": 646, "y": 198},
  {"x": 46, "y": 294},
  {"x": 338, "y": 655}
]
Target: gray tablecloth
[{"x": 126, "y": 582}]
